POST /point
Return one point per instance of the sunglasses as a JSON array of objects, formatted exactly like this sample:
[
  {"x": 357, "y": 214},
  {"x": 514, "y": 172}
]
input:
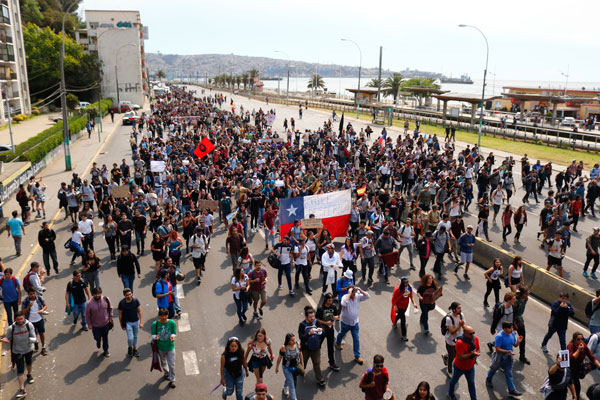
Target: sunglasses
[{"x": 378, "y": 365}]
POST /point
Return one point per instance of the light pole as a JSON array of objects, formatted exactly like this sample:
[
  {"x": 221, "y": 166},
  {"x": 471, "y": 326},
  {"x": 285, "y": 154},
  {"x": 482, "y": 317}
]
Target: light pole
[
  {"x": 359, "y": 69},
  {"x": 566, "y": 79},
  {"x": 63, "y": 94},
  {"x": 287, "y": 90},
  {"x": 487, "y": 54}
]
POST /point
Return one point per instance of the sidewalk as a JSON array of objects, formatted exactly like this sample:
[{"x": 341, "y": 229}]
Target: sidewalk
[{"x": 26, "y": 129}]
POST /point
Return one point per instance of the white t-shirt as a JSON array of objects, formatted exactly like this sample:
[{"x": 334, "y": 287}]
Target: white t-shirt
[
  {"x": 284, "y": 253},
  {"x": 454, "y": 322},
  {"x": 555, "y": 248},
  {"x": 33, "y": 312},
  {"x": 86, "y": 226},
  {"x": 76, "y": 237},
  {"x": 239, "y": 284},
  {"x": 303, "y": 254},
  {"x": 405, "y": 231},
  {"x": 198, "y": 252}
]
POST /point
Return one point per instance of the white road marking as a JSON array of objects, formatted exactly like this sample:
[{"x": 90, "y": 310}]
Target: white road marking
[
  {"x": 183, "y": 324},
  {"x": 574, "y": 260},
  {"x": 180, "y": 292},
  {"x": 190, "y": 362}
]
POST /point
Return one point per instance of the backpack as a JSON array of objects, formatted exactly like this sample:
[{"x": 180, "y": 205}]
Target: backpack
[
  {"x": 26, "y": 281},
  {"x": 156, "y": 282},
  {"x": 590, "y": 309},
  {"x": 497, "y": 314},
  {"x": 370, "y": 377},
  {"x": 443, "y": 326},
  {"x": 14, "y": 281}
]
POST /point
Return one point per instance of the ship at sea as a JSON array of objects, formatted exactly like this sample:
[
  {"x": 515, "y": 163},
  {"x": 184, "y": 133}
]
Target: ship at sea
[
  {"x": 271, "y": 78},
  {"x": 464, "y": 78}
]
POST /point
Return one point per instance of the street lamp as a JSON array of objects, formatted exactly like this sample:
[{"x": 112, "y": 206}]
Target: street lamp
[
  {"x": 359, "y": 69},
  {"x": 63, "y": 93},
  {"x": 566, "y": 79},
  {"x": 487, "y": 54},
  {"x": 287, "y": 91}
]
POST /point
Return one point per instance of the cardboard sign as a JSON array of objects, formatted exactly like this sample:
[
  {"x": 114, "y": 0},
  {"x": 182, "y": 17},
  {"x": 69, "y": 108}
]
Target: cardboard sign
[
  {"x": 312, "y": 223},
  {"x": 431, "y": 295},
  {"x": 564, "y": 358},
  {"x": 120, "y": 191},
  {"x": 157, "y": 166},
  {"x": 213, "y": 205},
  {"x": 278, "y": 140}
]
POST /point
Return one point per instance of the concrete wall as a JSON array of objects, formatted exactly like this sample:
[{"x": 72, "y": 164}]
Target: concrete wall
[{"x": 544, "y": 285}]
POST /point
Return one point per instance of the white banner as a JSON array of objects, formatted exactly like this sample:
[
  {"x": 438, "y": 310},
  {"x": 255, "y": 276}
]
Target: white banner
[
  {"x": 328, "y": 204},
  {"x": 157, "y": 166}
]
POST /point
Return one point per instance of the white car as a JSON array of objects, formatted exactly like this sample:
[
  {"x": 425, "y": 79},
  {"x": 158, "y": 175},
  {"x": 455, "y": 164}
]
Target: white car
[
  {"x": 84, "y": 104},
  {"x": 131, "y": 105},
  {"x": 5, "y": 147},
  {"x": 568, "y": 121}
]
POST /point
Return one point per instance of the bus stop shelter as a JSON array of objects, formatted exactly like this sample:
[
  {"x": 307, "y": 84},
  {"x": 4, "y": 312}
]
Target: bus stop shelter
[
  {"x": 420, "y": 93},
  {"x": 463, "y": 98},
  {"x": 553, "y": 100}
]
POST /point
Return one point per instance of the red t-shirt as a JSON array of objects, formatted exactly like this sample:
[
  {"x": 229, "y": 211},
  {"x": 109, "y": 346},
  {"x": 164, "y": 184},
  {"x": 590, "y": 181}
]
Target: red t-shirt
[
  {"x": 269, "y": 219},
  {"x": 464, "y": 348},
  {"x": 381, "y": 381}
]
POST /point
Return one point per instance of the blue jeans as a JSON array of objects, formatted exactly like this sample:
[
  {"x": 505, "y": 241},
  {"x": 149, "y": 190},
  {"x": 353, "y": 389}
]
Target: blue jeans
[
  {"x": 507, "y": 364},
  {"x": 469, "y": 375},
  {"x": 290, "y": 382},
  {"x": 175, "y": 298},
  {"x": 80, "y": 309},
  {"x": 241, "y": 307},
  {"x": 46, "y": 256},
  {"x": 561, "y": 337},
  {"x": 234, "y": 383},
  {"x": 269, "y": 235},
  {"x": 594, "y": 329},
  {"x": 355, "y": 339},
  {"x": 132, "y": 329},
  {"x": 288, "y": 275},
  {"x": 128, "y": 281}
]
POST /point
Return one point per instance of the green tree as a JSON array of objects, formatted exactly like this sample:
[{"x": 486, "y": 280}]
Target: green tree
[
  {"x": 316, "y": 82},
  {"x": 392, "y": 85},
  {"x": 72, "y": 101},
  {"x": 421, "y": 83},
  {"x": 31, "y": 12},
  {"x": 161, "y": 75},
  {"x": 253, "y": 73},
  {"x": 245, "y": 79},
  {"x": 42, "y": 49},
  {"x": 374, "y": 83}
]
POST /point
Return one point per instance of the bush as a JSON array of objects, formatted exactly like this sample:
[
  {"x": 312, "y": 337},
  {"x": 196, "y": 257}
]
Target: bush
[
  {"x": 35, "y": 111},
  {"x": 36, "y": 148}
]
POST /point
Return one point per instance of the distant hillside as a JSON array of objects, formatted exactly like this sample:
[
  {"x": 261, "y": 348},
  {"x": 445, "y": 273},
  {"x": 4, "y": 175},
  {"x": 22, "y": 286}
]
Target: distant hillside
[{"x": 215, "y": 64}]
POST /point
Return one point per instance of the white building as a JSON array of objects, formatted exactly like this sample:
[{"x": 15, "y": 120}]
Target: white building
[
  {"x": 13, "y": 66},
  {"x": 118, "y": 38}
]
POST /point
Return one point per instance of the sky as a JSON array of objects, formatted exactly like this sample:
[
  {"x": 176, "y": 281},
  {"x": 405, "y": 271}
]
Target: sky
[{"x": 528, "y": 40}]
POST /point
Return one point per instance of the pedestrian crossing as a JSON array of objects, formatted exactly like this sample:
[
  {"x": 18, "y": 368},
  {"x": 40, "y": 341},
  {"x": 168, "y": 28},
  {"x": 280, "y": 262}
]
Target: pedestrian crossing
[{"x": 190, "y": 362}]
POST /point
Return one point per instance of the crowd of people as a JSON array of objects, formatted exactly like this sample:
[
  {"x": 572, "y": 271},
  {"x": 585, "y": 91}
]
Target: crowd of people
[{"x": 408, "y": 194}]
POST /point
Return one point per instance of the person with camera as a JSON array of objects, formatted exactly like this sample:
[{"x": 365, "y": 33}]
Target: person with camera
[{"x": 310, "y": 332}]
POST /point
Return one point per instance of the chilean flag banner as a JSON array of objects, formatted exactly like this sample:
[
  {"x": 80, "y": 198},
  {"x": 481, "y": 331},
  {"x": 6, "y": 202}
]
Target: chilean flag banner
[{"x": 332, "y": 208}]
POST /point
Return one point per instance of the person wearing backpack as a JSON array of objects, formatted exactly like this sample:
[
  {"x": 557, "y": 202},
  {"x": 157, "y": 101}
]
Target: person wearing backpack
[
  {"x": 592, "y": 311},
  {"x": 162, "y": 290},
  {"x": 32, "y": 279},
  {"x": 503, "y": 312},
  {"x": 452, "y": 327},
  {"x": 34, "y": 306},
  {"x": 99, "y": 314},
  {"x": 199, "y": 244},
  {"x": 503, "y": 357},
  {"x": 375, "y": 381},
  {"x": 11, "y": 293},
  {"x": 467, "y": 351},
  {"x": 311, "y": 334},
  {"x": 21, "y": 337}
]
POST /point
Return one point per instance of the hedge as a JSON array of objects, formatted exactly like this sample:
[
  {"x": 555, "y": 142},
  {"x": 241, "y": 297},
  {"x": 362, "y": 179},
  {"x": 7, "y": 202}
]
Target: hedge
[{"x": 35, "y": 148}]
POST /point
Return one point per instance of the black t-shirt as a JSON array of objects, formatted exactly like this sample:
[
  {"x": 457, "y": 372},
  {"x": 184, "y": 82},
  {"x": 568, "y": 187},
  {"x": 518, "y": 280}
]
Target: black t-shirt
[
  {"x": 139, "y": 223},
  {"x": 77, "y": 290},
  {"x": 130, "y": 313},
  {"x": 327, "y": 313},
  {"x": 125, "y": 225}
]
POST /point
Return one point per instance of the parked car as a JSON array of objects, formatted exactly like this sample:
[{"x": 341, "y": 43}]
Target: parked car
[
  {"x": 5, "y": 147},
  {"x": 84, "y": 104},
  {"x": 123, "y": 108},
  {"x": 129, "y": 117},
  {"x": 130, "y": 104},
  {"x": 55, "y": 118},
  {"x": 568, "y": 121}
]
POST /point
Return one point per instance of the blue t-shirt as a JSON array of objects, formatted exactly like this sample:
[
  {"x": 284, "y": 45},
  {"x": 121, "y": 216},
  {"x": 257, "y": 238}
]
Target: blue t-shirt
[
  {"x": 504, "y": 341},
  {"x": 15, "y": 225},
  {"x": 342, "y": 284},
  {"x": 9, "y": 290},
  {"x": 162, "y": 287}
]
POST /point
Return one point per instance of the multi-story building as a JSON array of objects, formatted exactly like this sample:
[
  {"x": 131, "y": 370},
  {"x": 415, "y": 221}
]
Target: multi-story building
[
  {"x": 13, "y": 66},
  {"x": 117, "y": 37}
]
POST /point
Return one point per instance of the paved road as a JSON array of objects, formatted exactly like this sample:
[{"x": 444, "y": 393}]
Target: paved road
[
  {"x": 74, "y": 365},
  {"x": 529, "y": 248}
]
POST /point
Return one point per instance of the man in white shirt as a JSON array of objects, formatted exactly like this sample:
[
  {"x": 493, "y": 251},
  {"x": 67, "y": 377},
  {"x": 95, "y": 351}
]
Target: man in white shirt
[
  {"x": 199, "y": 250},
  {"x": 406, "y": 234},
  {"x": 86, "y": 226},
  {"x": 330, "y": 261},
  {"x": 555, "y": 254},
  {"x": 303, "y": 264},
  {"x": 349, "y": 321}
]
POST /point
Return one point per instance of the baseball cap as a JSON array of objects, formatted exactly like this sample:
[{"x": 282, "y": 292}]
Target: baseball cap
[
  {"x": 260, "y": 387},
  {"x": 404, "y": 279},
  {"x": 469, "y": 226}
]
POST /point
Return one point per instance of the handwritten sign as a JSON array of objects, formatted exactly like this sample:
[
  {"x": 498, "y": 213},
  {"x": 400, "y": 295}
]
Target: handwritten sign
[
  {"x": 157, "y": 166},
  {"x": 564, "y": 358},
  {"x": 212, "y": 205},
  {"x": 120, "y": 191},
  {"x": 278, "y": 140},
  {"x": 431, "y": 295},
  {"x": 312, "y": 223}
]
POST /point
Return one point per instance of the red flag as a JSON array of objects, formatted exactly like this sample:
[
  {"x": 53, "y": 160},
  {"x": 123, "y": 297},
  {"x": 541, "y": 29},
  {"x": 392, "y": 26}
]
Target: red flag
[
  {"x": 361, "y": 190},
  {"x": 204, "y": 148}
]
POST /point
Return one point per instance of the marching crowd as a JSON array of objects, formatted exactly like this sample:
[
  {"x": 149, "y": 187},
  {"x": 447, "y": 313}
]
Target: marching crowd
[{"x": 408, "y": 194}]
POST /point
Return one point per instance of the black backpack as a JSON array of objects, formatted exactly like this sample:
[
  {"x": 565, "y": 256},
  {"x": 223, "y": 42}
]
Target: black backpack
[
  {"x": 443, "y": 326},
  {"x": 156, "y": 282},
  {"x": 590, "y": 309},
  {"x": 497, "y": 314}
]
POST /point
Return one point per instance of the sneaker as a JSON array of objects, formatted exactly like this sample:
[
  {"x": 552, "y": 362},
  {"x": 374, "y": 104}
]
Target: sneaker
[
  {"x": 544, "y": 349},
  {"x": 452, "y": 397},
  {"x": 255, "y": 316},
  {"x": 279, "y": 287},
  {"x": 106, "y": 354},
  {"x": 198, "y": 281},
  {"x": 172, "y": 385},
  {"x": 466, "y": 276},
  {"x": 22, "y": 393},
  {"x": 339, "y": 346},
  {"x": 334, "y": 367},
  {"x": 456, "y": 268},
  {"x": 136, "y": 353},
  {"x": 129, "y": 351},
  {"x": 75, "y": 321},
  {"x": 30, "y": 379},
  {"x": 593, "y": 275},
  {"x": 36, "y": 346},
  {"x": 308, "y": 292},
  {"x": 359, "y": 360},
  {"x": 413, "y": 268},
  {"x": 84, "y": 328},
  {"x": 586, "y": 274},
  {"x": 404, "y": 338},
  {"x": 224, "y": 394},
  {"x": 445, "y": 359},
  {"x": 292, "y": 293},
  {"x": 322, "y": 382},
  {"x": 260, "y": 311},
  {"x": 524, "y": 360},
  {"x": 514, "y": 393},
  {"x": 98, "y": 343},
  {"x": 490, "y": 346},
  {"x": 44, "y": 351}
]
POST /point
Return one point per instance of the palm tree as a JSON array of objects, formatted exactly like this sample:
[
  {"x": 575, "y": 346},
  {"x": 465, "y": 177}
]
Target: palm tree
[
  {"x": 316, "y": 82},
  {"x": 392, "y": 85},
  {"x": 421, "y": 83},
  {"x": 238, "y": 80},
  {"x": 245, "y": 79},
  {"x": 253, "y": 73},
  {"x": 161, "y": 75},
  {"x": 374, "y": 83}
]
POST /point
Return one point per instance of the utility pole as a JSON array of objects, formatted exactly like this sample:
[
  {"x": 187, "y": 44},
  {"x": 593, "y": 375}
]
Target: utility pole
[
  {"x": 117, "y": 79},
  {"x": 63, "y": 97},
  {"x": 379, "y": 76}
]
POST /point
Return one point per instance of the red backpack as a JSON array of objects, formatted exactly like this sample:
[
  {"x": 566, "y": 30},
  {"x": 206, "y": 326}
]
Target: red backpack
[
  {"x": 14, "y": 280},
  {"x": 26, "y": 281}
]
